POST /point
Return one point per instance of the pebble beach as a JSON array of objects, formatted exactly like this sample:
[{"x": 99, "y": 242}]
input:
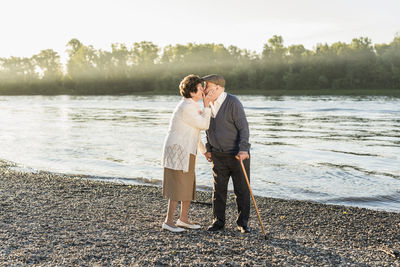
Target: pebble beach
[{"x": 49, "y": 219}]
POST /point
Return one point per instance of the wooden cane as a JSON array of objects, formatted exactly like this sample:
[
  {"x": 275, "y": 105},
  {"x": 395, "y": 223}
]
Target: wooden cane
[{"x": 252, "y": 196}]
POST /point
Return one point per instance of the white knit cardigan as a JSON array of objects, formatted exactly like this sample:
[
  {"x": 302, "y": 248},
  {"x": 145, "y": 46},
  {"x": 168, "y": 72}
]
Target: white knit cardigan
[{"x": 183, "y": 136}]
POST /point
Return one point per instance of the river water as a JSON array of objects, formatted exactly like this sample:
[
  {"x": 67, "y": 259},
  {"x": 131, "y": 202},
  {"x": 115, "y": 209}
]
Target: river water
[{"x": 340, "y": 150}]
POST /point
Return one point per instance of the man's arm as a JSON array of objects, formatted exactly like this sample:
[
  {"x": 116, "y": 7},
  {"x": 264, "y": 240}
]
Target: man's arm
[{"x": 242, "y": 126}]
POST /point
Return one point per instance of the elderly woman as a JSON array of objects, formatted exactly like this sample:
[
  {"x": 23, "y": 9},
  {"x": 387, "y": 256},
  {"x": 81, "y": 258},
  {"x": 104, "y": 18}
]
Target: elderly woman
[{"x": 180, "y": 149}]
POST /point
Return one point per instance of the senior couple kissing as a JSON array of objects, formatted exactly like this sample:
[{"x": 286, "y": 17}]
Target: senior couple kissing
[{"x": 227, "y": 131}]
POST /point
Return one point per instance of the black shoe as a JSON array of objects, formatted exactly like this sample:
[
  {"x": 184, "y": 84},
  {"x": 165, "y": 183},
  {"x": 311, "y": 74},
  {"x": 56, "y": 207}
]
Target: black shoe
[
  {"x": 244, "y": 229},
  {"x": 215, "y": 227}
]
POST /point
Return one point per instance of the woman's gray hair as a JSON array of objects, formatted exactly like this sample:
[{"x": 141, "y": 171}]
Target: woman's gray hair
[{"x": 189, "y": 85}]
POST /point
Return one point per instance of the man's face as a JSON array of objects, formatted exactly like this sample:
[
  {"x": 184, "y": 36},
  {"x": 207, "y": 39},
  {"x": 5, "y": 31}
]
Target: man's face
[{"x": 208, "y": 86}]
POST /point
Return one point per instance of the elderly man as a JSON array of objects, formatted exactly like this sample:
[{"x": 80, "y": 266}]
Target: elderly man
[{"x": 227, "y": 137}]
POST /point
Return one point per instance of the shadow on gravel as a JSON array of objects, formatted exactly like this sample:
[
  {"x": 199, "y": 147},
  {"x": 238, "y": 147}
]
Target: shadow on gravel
[{"x": 317, "y": 254}]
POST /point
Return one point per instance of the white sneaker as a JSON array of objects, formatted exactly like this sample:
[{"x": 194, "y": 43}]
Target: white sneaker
[
  {"x": 172, "y": 229},
  {"x": 186, "y": 225}
]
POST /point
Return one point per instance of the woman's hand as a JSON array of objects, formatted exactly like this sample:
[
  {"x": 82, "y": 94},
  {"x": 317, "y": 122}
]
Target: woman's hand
[{"x": 208, "y": 98}]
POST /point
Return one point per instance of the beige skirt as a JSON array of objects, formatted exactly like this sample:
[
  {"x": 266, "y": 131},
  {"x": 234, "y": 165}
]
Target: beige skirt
[{"x": 179, "y": 185}]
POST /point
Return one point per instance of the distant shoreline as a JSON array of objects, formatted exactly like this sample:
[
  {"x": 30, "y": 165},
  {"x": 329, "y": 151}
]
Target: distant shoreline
[{"x": 278, "y": 92}]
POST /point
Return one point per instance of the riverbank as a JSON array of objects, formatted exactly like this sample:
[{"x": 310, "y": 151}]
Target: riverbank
[
  {"x": 66, "y": 220},
  {"x": 287, "y": 92},
  {"x": 321, "y": 92},
  {"x": 254, "y": 92}
]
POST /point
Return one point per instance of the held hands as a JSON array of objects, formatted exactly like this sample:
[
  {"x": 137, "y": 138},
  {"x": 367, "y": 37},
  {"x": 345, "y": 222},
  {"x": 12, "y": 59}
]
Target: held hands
[
  {"x": 242, "y": 155},
  {"x": 208, "y": 156}
]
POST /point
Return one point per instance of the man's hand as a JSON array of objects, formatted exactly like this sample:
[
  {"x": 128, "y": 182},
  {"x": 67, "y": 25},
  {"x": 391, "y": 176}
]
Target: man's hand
[
  {"x": 208, "y": 156},
  {"x": 242, "y": 155}
]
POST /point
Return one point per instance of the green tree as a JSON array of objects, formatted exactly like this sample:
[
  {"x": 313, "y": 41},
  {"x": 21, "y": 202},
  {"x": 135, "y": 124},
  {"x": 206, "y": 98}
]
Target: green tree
[
  {"x": 144, "y": 53},
  {"x": 274, "y": 50},
  {"x": 146, "y": 68},
  {"x": 49, "y": 64},
  {"x": 15, "y": 69},
  {"x": 81, "y": 63}
]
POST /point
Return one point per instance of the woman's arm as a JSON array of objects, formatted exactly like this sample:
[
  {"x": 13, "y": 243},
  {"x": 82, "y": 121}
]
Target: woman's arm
[{"x": 192, "y": 117}]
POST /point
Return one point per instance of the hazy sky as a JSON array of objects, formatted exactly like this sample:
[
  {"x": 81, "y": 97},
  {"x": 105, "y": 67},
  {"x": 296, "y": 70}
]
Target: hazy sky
[{"x": 29, "y": 26}]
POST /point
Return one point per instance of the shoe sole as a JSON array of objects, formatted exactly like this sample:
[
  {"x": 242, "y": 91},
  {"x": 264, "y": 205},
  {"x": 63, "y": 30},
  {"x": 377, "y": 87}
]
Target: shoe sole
[
  {"x": 182, "y": 226},
  {"x": 216, "y": 230},
  {"x": 170, "y": 230},
  {"x": 164, "y": 229}
]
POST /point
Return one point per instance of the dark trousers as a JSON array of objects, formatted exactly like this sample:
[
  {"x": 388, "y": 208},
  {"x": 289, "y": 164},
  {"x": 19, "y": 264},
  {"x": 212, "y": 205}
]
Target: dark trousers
[{"x": 225, "y": 166}]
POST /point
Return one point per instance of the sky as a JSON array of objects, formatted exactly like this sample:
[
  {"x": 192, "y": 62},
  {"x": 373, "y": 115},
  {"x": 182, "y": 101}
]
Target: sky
[{"x": 27, "y": 27}]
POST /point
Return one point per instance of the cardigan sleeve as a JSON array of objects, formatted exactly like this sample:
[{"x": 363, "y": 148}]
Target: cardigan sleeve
[
  {"x": 242, "y": 125},
  {"x": 192, "y": 117}
]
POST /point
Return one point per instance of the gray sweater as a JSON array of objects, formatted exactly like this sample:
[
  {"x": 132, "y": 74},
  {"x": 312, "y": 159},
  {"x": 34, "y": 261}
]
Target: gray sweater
[{"x": 229, "y": 131}]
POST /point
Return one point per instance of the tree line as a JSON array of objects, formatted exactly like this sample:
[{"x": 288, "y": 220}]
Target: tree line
[{"x": 144, "y": 67}]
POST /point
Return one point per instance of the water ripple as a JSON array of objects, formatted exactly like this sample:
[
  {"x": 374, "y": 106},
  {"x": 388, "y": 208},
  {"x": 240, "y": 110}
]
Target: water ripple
[{"x": 343, "y": 149}]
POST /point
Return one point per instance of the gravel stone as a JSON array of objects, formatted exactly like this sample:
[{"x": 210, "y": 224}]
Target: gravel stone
[{"x": 64, "y": 220}]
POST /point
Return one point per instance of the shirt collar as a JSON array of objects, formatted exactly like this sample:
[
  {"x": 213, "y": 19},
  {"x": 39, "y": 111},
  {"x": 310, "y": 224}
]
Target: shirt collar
[{"x": 221, "y": 98}]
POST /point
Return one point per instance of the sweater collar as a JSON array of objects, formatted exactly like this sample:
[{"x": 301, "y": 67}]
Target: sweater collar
[{"x": 192, "y": 102}]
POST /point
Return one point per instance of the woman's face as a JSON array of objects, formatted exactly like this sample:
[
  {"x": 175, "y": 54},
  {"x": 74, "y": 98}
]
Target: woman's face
[{"x": 199, "y": 95}]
